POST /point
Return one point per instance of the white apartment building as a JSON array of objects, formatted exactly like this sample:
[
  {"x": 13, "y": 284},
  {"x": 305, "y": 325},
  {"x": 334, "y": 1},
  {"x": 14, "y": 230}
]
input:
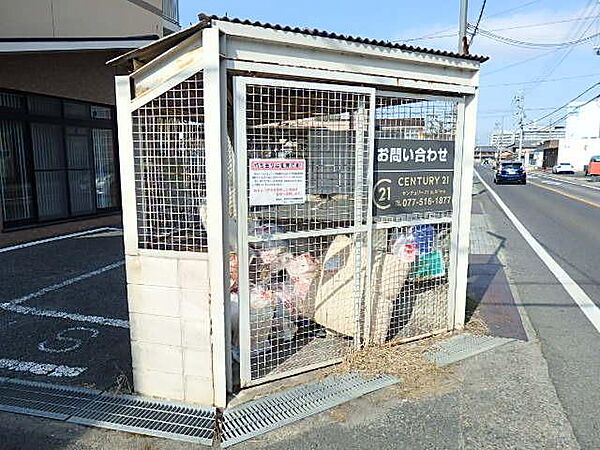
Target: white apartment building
[{"x": 582, "y": 137}]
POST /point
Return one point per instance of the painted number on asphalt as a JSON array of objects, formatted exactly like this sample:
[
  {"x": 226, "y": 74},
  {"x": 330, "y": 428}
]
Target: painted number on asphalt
[{"x": 68, "y": 340}]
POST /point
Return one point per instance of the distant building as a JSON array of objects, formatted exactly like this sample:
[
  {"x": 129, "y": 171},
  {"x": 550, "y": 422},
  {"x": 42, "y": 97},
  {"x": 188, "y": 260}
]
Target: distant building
[
  {"x": 58, "y": 146},
  {"x": 401, "y": 128},
  {"x": 483, "y": 152},
  {"x": 532, "y": 136},
  {"x": 546, "y": 154},
  {"x": 501, "y": 139},
  {"x": 582, "y": 137}
]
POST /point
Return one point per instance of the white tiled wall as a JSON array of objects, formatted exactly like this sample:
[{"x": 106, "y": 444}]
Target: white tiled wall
[{"x": 169, "y": 314}]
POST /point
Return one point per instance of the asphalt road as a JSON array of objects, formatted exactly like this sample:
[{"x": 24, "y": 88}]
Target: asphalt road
[
  {"x": 564, "y": 219},
  {"x": 63, "y": 312}
]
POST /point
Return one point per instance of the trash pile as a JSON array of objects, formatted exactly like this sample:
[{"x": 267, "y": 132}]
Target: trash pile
[{"x": 292, "y": 286}]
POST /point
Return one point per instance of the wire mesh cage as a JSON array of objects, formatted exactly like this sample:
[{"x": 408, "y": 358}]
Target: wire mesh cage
[
  {"x": 318, "y": 282},
  {"x": 304, "y": 263},
  {"x": 170, "y": 169}
]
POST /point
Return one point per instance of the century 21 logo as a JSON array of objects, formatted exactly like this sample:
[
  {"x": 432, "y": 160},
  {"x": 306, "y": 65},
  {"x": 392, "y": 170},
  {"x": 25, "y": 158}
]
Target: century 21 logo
[{"x": 382, "y": 194}]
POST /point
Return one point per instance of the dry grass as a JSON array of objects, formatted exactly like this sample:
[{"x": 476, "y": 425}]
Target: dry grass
[
  {"x": 121, "y": 385},
  {"x": 418, "y": 376},
  {"x": 474, "y": 320}
]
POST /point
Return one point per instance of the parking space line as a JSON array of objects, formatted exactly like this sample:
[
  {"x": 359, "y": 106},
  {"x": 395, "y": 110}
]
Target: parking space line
[
  {"x": 36, "y": 368},
  {"x": 56, "y": 238},
  {"x": 75, "y": 317},
  {"x": 581, "y": 299},
  {"x": 63, "y": 284}
]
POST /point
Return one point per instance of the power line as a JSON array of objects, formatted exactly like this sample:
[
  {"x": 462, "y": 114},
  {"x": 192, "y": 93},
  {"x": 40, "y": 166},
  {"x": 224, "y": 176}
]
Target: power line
[
  {"x": 518, "y": 43},
  {"x": 445, "y": 30},
  {"x": 530, "y": 25},
  {"x": 510, "y": 110},
  {"x": 548, "y": 80},
  {"x": 580, "y": 30},
  {"x": 505, "y": 11},
  {"x": 566, "y": 104},
  {"x": 523, "y": 61},
  {"x": 542, "y": 24},
  {"x": 550, "y": 125},
  {"x": 478, "y": 21}
]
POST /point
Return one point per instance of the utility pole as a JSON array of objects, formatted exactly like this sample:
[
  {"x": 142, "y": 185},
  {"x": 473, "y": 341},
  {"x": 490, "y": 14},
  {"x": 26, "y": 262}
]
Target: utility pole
[
  {"x": 519, "y": 101},
  {"x": 498, "y": 139},
  {"x": 463, "y": 46}
]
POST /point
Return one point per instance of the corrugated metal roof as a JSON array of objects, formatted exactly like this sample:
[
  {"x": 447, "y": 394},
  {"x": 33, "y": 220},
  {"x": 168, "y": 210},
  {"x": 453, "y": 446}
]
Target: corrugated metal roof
[
  {"x": 331, "y": 35},
  {"x": 144, "y": 54}
]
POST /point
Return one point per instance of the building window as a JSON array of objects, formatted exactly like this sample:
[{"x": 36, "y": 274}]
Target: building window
[
  {"x": 57, "y": 159},
  {"x": 15, "y": 182},
  {"x": 171, "y": 10},
  {"x": 107, "y": 189}
]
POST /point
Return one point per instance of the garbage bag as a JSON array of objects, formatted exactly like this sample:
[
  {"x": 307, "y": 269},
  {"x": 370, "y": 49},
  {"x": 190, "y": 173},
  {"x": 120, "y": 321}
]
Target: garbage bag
[
  {"x": 234, "y": 272},
  {"x": 424, "y": 238},
  {"x": 302, "y": 270},
  {"x": 261, "y": 318},
  {"x": 403, "y": 246},
  {"x": 284, "y": 327},
  {"x": 430, "y": 265},
  {"x": 334, "y": 302}
]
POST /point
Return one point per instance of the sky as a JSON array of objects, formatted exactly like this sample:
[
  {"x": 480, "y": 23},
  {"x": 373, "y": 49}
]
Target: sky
[{"x": 547, "y": 76}]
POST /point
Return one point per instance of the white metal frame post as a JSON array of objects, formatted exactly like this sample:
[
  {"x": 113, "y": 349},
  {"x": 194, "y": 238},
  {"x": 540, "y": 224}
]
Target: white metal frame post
[
  {"x": 368, "y": 298},
  {"x": 462, "y": 218},
  {"x": 239, "y": 118},
  {"x": 216, "y": 199},
  {"x": 126, "y": 163},
  {"x": 456, "y": 212}
]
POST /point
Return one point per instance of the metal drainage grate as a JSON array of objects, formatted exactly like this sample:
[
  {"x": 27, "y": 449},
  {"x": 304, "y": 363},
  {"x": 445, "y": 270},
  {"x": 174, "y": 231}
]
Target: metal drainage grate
[
  {"x": 41, "y": 399},
  {"x": 266, "y": 414},
  {"x": 149, "y": 417},
  {"x": 463, "y": 346}
]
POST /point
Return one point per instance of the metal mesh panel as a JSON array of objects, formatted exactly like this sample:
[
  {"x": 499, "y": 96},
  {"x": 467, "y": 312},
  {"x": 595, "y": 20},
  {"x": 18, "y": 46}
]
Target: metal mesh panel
[
  {"x": 305, "y": 262},
  {"x": 326, "y": 129},
  {"x": 170, "y": 169},
  {"x": 302, "y": 302},
  {"x": 415, "y": 119},
  {"x": 408, "y": 295},
  {"x": 409, "y": 281}
]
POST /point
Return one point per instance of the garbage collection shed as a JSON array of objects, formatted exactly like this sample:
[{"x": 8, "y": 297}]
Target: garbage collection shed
[{"x": 288, "y": 195}]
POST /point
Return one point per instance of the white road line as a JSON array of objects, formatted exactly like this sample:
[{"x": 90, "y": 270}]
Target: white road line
[
  {"x": 62, "y": 284},
  {"x": 35, "y": 368},
  {"x": 548, "y": 177},
  {"x": 56, "y": 238},
  {"x": 75, "y": 317},
  {"x": 111, "y": 233},
  {"x": 585, "y": 303}
]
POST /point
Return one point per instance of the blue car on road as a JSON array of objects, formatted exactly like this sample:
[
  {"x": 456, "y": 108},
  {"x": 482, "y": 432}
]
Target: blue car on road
[{"x": 510, "y": 172}]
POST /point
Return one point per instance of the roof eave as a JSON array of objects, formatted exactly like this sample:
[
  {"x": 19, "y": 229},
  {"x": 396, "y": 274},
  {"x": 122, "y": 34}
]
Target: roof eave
[{"x": 150, "y": 51}]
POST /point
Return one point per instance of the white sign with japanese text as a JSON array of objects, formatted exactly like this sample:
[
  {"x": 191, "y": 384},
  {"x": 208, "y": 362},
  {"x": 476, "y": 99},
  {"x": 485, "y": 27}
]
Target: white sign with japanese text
[{"x": 277, "y": 181}]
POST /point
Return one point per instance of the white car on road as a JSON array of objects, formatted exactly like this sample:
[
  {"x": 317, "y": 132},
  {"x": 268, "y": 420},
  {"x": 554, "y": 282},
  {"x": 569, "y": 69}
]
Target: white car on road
[{"x": 563, "y": 168}]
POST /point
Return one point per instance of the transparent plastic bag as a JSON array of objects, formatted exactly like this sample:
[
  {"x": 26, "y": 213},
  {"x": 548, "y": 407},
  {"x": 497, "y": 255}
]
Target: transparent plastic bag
[{"x": 403, "y": 246}]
